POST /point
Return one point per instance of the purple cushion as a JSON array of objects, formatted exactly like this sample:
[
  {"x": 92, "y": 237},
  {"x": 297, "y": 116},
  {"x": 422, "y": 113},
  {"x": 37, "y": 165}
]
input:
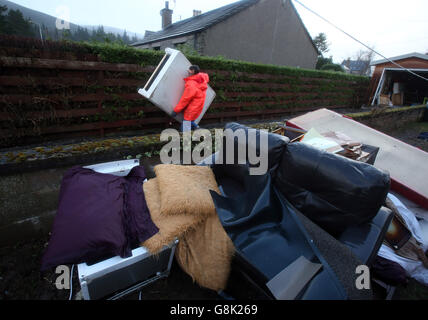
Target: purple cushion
[
  {"x": 98, "y": 215},
  {"x": 140, "y": 224}
]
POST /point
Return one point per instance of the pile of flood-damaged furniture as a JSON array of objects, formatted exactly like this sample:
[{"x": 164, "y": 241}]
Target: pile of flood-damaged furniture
[{"x": 306, "y": 228}]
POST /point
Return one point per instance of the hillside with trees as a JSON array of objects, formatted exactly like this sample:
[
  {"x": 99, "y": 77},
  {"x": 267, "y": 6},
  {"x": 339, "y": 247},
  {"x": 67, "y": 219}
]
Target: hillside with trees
[
  {"x": 12, "y": 22},
  {"x": 34, "y": 24}
]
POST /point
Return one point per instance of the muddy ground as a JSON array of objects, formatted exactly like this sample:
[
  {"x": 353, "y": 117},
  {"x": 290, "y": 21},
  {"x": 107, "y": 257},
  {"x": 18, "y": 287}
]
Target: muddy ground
[
  {"x": 20, "y": 278},
  {"x": 410, "y": 133}
]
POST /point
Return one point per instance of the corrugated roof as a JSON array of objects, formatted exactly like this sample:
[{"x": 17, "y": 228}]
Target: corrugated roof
[
  {"x": 198, "y": 23},
  {"x": 404, "y": 56}
]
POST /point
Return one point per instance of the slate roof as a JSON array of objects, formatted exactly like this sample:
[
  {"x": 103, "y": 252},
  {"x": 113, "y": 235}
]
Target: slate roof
[
  {"x": 198, "y": 23},
  {"x": 355, "y": 65}
]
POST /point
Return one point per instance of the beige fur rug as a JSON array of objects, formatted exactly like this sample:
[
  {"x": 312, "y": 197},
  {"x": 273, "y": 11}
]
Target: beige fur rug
[{"x": 181, "y": 206}]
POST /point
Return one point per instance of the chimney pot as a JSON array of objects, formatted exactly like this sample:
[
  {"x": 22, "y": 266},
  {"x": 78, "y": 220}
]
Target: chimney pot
[{"x": 166, "y": 14}]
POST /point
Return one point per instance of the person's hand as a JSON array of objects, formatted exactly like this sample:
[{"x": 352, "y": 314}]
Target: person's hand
[{"x": 173, "y": 114}]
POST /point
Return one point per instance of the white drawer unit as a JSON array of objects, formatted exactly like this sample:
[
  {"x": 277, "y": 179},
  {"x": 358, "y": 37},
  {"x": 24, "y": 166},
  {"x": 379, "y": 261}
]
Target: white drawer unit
[
  {"x": 115, "y": 278},
  {"x": 117, "y": 168},
  {"x": 166, "y": 85}
]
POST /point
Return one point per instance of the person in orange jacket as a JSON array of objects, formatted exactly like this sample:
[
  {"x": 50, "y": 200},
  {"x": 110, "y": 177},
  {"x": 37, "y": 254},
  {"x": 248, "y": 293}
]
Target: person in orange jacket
[{"x": 193, "y": 99}]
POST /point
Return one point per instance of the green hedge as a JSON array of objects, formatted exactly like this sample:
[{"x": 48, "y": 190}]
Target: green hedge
[
  {"x": 119, "y": 53},
  {"x": 340, "y": 82}
]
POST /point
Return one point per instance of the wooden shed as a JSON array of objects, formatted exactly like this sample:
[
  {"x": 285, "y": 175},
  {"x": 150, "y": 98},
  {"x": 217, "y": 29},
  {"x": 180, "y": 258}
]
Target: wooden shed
[{"x": 392, "y": 85}]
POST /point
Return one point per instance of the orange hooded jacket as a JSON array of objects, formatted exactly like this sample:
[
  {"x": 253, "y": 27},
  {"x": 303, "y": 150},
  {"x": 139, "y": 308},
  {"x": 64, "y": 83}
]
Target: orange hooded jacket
[{"x": 193, "y": 99}]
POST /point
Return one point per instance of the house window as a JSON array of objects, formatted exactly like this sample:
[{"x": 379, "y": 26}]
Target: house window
[{"x": 157, "y": 48}]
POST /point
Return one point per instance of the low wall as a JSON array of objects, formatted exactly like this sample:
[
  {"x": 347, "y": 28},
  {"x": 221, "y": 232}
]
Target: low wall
[{"x": 390, "y": 118}]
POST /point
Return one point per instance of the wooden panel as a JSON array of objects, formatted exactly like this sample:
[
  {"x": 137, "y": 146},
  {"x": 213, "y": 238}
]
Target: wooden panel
[
  {"x": 56, "y": 98},
  {"x": 279, "y": 94},
  {"x": 46, "y": 54},
  {"x": 239, "y": 104},
  {"x": 70, "y": 65},
  {"x": 75, "y": 113},
  {"x": 75, "y": 82}
]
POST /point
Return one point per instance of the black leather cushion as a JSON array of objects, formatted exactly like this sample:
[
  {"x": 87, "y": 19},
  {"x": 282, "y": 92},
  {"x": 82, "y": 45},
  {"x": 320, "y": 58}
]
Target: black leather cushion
[
  {"x": 275, "y": 146},
  {"x": 333, "y": 191}
]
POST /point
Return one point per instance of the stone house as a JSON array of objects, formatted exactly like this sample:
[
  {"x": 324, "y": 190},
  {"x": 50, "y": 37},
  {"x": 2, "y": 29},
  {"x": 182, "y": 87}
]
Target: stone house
[{"x": 260, "y": 31}]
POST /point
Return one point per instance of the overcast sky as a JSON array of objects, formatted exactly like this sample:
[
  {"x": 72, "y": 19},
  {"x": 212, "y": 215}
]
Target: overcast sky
[{"x": 392, "y": 27}]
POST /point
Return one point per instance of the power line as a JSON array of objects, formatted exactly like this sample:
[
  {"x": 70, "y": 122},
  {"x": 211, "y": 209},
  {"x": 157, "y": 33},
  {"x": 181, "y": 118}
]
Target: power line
[{"x": 355, "y": 39}]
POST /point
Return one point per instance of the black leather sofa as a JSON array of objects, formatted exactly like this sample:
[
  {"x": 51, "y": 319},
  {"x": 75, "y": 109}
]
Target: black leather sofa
[{"x": 309, "y": 203}]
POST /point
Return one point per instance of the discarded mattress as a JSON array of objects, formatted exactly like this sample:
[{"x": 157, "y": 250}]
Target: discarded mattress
[
  {"x": 188, "y": 213},
  {"x": 406, "y": 164},
  {"x": 166, "y": 85},
  {"x": 99, "y": 216}
]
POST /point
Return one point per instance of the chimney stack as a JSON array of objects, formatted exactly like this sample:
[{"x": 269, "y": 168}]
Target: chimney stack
[
  {"x": 348, "y": 62},
  {"x": 197, "y": 13},
  {"x": 166, "y": 14}
]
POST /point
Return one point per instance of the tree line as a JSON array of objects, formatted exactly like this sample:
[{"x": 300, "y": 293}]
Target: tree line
[
  {"x": 365, "y": 57},
  {"x": 13, "y": 22}
]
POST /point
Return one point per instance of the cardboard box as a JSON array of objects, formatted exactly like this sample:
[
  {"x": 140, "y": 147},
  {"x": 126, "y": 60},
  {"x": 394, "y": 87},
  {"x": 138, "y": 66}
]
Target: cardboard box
[
  {"x": 398, "y": 99},
  {"x": 384, "y": 99}
]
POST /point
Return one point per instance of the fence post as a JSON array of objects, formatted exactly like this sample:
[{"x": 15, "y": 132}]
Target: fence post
[{"x": 100, "y": 102}]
